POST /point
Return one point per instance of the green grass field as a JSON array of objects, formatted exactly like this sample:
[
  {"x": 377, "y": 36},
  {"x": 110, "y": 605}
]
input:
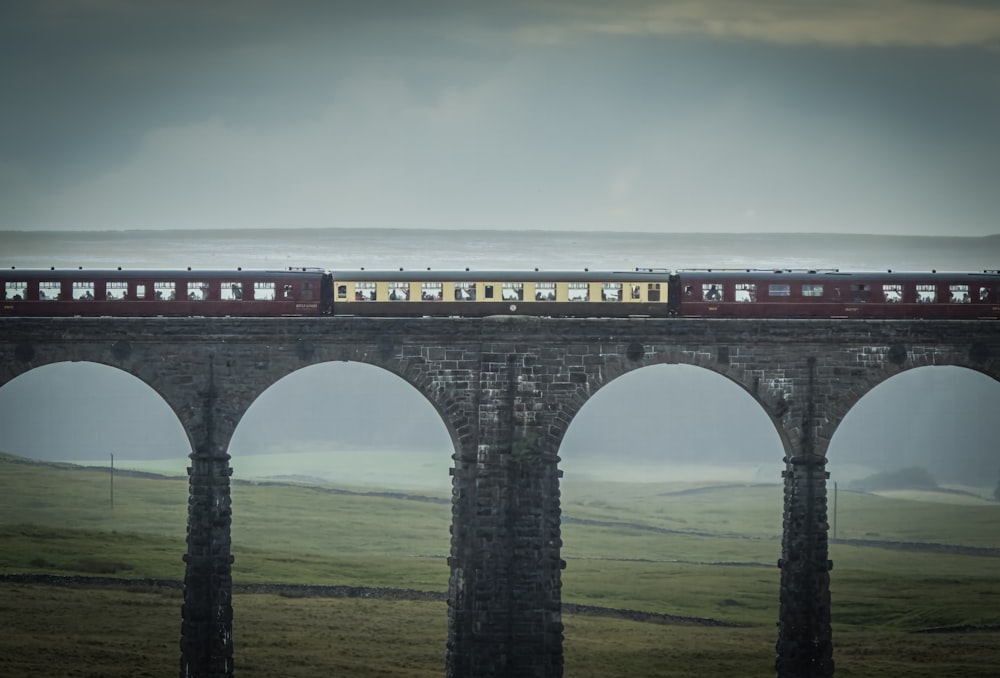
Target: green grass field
[{"x": 678, "y": 549}]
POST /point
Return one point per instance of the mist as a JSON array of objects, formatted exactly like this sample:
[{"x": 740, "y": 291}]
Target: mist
[{"x": 355, "y": 423}]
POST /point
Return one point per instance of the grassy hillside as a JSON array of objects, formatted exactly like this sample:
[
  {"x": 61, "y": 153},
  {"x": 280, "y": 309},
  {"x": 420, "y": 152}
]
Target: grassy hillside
[{"x": 679, "y": 549}]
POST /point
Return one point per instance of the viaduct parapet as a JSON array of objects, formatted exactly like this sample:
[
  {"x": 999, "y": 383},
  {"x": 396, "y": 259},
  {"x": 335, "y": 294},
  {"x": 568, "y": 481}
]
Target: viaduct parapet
[{"x": 507, "y": 389}]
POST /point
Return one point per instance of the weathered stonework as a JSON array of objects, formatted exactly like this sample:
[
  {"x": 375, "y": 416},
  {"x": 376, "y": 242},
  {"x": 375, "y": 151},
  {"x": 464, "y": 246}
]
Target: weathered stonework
[{"x": 507, "y": 390}]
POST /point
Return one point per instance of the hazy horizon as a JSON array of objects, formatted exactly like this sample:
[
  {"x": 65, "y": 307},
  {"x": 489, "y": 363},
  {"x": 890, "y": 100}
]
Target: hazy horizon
[
  {"x": 332, "y": 248},
  {"x": 270, "y": 231}
]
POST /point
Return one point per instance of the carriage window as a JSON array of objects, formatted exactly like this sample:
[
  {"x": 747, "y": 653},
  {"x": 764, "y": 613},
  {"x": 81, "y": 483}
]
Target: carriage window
[
  {"x": 513, "y": 291},
  {"x": 341, "y": 291},
  {"x": 812, "y": 290},
  {"x": 398, "y": 291},
  {"x": 926, "y": 294},
  {"x": 746, "y": 292},
  {"x": 164, "y": 291},
  {"x": 49, "y": 291},
  {"x": 307, "y": 291},
  {"x": 579, "y": 292},
  {"x": 779, "y": 290},
  {"x": 364, "y": 291},
  {"x": 652, "y": 291},
  {"x": 611, "y": 292},
  {"x": 711, "y": 291},
  {"x": 487, "y": 291},
  {"x": 636, "y": 292},
  {"x": 431, "y": 291},
  {"x": 197, "y": 291},
  {"x": 860, "y": 292},
  {"x": 984, "y": 293},
  {"x": 465, "y": 291},
  {"x": 231, "y": 291},
  {"x": 545, "y": 291},
  {"x": 893, "y": 293},
  {"x": 959, "y": 294},
  {"x": 17, "y": 291},
  {"x": 140, "y": 290},
  {"x": 83, "y": 291},
  {"x": 116, "y": 290},
  {"x": 287, "y": 292},
  {"x": 263, "y": 291}
]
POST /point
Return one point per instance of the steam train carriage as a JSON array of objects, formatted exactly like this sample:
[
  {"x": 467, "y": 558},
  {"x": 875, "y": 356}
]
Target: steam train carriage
[
  {"x": 643, "y": 292},
  {"x": 482, "y": 293},
  {"x": 836, "y": 294},
  {"x": 161, "y": 292}
]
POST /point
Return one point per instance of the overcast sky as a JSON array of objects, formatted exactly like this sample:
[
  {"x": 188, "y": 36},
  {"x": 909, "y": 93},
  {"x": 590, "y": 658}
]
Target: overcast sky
[{"x": 877, "y": 116}]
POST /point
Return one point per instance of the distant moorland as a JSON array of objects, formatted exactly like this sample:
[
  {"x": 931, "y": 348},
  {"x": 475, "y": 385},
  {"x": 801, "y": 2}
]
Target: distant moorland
[{"x": 914, "y": 583}]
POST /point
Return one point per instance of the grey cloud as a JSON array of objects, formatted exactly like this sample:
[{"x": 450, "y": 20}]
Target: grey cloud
[{"x": 924, "y": 23}]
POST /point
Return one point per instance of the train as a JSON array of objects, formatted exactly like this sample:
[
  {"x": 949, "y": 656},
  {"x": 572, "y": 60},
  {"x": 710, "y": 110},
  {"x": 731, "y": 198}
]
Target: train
[{"x": 642, "y": 292}]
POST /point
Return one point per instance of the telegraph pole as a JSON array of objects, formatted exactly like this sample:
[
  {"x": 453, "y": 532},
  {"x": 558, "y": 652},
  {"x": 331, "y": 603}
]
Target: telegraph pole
[{"x": 112, "y": 481}]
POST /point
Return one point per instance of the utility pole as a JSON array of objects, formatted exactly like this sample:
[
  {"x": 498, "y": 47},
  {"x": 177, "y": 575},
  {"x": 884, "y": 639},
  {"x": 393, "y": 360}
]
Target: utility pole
[{"x": 112, "y": 481}]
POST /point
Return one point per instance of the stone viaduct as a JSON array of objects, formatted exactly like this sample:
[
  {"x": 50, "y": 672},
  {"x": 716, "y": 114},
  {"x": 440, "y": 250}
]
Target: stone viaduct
[{"x": 507, "y": 389}]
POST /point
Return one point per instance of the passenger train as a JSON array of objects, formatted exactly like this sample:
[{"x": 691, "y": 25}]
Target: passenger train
[{"x": 717, "y": 293}]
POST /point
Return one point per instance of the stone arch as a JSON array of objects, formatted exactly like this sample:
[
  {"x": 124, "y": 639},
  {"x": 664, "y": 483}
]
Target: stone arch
[
  {"x": 24, "y": 364},
  {"x": 890, "y": 361},
  {"x": 613, "y": 371},
  {"x": 375, "y": 396},
  {"x": 181, "y": 389},
  {"x": 909, "y": 386},
  {"x": 146, "y": 391}
]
